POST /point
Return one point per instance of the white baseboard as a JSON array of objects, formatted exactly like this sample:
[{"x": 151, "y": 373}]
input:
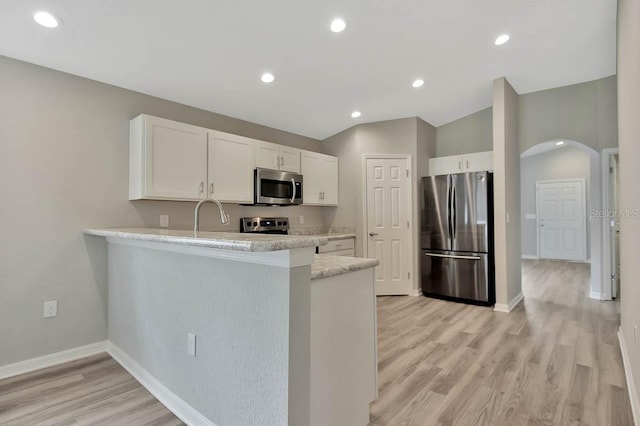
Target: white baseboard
[
  {"x": 501, "y": 307},
  {"x": 173, "y": 402},
  {"x": 530, "y": 256},
  {"x": 50, "y": 360},
  {"x": 631, "y": 387},
  {"x": 597, "y": 296},
  {"x": 416, "y": 292}
]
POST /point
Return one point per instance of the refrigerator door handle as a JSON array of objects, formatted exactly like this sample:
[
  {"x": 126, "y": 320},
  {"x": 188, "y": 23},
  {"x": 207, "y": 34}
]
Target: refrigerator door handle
[
  {"x": 450, "y": 256},
  {"x": 454, "y": 214},
  {"x": 449, "y": 234}
]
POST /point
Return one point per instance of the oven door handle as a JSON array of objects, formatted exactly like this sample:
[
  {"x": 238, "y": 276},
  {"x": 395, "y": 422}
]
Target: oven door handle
[{"x": 293, "y": 182}]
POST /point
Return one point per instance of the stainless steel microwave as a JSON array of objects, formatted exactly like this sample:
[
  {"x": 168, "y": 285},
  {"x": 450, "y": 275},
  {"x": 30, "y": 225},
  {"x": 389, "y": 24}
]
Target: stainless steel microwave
[{"x": 276, "y": 188}]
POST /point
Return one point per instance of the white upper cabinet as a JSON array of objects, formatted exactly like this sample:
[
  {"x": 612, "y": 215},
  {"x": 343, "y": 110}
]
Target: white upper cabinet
[
  {"x": 320, "y": 179},
  {"x": 476, "y": 162},
  {"x": 277, "y": 157},
  {"x": 176, "y": 161},
  {"x": 168, "y": 160},
  {"x": 231, "y": 164}
]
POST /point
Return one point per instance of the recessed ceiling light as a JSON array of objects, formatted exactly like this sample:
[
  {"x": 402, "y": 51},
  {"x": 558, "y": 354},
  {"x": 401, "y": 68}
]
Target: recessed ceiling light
[
  {"x": 267, "y": 77},
  {"x": 502, "y": 39},
  {"x": 338, "y": 25},
  {"x": 46, "y": 19},
  {"x": 560, "y": 143},
  {"x": 356, "y": 114},
  {"x": 417, "y": 83}
]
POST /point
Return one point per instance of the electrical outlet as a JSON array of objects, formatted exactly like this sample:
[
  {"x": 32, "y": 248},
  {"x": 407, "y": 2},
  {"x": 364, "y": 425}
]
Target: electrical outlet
[
  {"x": 164, "y": 220},
  {"x": 301, "y": 219},
  {"x": 51, "y": 309},
  {"x": 191, "y": 344}
]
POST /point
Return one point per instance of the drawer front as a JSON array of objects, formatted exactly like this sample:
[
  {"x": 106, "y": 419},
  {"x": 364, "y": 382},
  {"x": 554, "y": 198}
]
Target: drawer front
[
  {"x": 347, "y": 252},
  {"x": 336, "y": 245}
]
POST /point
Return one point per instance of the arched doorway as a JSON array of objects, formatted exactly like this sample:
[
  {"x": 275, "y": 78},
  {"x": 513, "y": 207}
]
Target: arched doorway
[{"x": 562, "y": 164}]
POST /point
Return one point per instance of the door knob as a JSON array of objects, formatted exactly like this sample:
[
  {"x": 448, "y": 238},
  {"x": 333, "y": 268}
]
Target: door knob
[{"x": 372, "y": 234}]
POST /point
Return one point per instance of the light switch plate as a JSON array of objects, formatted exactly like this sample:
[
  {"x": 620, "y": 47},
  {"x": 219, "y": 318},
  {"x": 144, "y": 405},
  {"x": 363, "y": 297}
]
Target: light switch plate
[
  {"x": 191, "y": 344},
  {"x": 50, "y": 308}
]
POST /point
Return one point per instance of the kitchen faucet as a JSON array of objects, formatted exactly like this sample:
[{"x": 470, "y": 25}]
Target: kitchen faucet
[{"x": 224, "y": 218}]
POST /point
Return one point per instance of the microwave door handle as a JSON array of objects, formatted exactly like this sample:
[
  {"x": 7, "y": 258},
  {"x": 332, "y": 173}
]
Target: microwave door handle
[{"x": 293, "y": 183}]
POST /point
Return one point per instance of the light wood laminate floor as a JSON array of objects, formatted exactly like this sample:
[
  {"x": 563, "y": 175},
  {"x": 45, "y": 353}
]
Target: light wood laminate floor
[
  {"x": 90, "y": 391},
  {"x": 554, "y": 360}
]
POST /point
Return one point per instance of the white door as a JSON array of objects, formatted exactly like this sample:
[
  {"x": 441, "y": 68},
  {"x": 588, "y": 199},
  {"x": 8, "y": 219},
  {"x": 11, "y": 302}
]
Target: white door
[
  {"x": 388, "y": 204},
  {"x": 562, "y": 220},
  {"x": 231, "y": 167},
  {"x": 177, "y": 160}
]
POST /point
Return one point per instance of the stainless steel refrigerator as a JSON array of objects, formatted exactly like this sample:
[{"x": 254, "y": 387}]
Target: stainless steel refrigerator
[{"x": 457, "y": 237}]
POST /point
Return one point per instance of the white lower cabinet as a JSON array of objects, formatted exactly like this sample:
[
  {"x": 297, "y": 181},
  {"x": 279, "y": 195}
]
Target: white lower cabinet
[
  {"x": 342, "y": 247},
  {"x": 475, "y": 162},
  {"x": 320, "y": 179}
]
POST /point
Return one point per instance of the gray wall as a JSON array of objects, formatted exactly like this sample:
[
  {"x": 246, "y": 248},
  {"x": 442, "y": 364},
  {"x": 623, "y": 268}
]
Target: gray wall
[
  {"x": 585, "y": 112},
  {"x": 411, "y": 136},
  {"x": 569, "y": 162},
  {"x": 473, "y": 133},
  {"x": 629, "y": 129},
  {"x": 64, "y": 167}
]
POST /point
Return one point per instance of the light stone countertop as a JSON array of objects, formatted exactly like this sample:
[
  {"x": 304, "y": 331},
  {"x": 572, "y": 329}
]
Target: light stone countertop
[
  {"x": 218, "y": 240},
  {"x": 326, "y": 265}
]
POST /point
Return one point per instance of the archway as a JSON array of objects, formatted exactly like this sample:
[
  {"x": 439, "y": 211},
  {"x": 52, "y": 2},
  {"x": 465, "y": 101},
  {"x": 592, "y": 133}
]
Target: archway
[{"x": 565, "y": 159}]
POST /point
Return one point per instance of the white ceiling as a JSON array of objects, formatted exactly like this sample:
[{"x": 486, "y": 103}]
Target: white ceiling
[{"x": 210, "y": 54}]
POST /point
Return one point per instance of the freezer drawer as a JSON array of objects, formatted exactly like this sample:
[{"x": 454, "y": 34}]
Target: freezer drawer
[{"x": 455, "y": 275}]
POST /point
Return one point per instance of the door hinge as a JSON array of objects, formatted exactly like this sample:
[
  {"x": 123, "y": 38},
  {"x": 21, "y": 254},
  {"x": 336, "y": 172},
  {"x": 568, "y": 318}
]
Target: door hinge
[
  {"x": 407, "y": 172},
  {"x": 610, "y": 169},
  {"x": 409, "y": 275},
  {"x": 407, "y": 224}
]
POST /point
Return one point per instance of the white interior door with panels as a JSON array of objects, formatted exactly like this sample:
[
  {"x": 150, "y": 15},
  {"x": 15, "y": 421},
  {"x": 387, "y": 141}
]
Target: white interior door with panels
[
  {"x": 231, "y": 164},
  {"x": 387, "y": 213},
  {"x": 561, "y": 212}
]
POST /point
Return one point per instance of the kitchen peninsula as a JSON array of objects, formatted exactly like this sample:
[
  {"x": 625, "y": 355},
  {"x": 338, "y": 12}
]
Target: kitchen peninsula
[{"x": 243, "y": 329}]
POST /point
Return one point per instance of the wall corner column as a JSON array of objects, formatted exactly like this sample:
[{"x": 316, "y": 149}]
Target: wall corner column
[{"x": 506, "y": 181}]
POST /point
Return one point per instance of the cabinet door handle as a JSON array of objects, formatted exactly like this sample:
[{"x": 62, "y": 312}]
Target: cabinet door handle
[
  {"x": 372, "y": 234},
  {"x": 201, "y": 187},
  {"x": 467, "y": 164},
  {"x": 459, "y": 165},
  {"x": 211, "y": 188}
]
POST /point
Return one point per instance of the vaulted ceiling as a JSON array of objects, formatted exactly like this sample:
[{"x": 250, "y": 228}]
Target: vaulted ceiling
[{"x": 211, "y": 54}]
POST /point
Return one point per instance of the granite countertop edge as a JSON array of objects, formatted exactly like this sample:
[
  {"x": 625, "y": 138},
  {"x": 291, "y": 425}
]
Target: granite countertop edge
[
  {"x": 217, "y": 240},
  {"x": 327, "y": 265}
]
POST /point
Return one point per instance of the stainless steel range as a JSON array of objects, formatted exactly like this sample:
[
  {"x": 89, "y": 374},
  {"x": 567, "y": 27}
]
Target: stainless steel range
[{"x": 265, "y": 225}]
